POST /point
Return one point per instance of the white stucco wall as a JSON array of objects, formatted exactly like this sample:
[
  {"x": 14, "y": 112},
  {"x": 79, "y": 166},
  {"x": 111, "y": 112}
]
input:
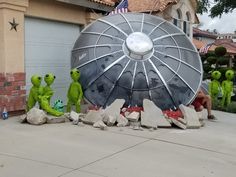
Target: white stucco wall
[{"x": 184, "y": 7}]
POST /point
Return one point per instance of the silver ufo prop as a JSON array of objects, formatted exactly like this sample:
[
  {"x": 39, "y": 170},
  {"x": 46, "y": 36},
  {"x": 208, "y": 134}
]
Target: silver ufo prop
[{"x": 136, "y": 56}]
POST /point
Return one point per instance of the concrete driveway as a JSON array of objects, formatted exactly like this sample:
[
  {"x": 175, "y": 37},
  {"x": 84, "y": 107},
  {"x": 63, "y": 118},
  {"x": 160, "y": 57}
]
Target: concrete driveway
[{"x": 67, "y": 150}]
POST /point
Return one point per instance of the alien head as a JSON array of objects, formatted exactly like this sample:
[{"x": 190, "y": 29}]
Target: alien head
[
  {"x": 36, "y": 80},
  {"x": 216, "y": 75},
  {"x": 75, "y": 74},
  {"x": 229, "y": 74},
  {"x": 49, "y": 79}
]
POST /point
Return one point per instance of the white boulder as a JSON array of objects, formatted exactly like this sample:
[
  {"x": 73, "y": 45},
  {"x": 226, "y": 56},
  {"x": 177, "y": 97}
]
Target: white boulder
[
  {"x": 152, "y": 116},
  {"x": 36, "y": 116}
]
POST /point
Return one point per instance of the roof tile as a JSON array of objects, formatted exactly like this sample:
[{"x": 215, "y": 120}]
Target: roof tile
[
  {"x": 105, "y": 2},
  {"x": 150, "y": 5}
]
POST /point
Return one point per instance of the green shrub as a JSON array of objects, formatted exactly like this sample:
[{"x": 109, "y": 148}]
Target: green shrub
[
  {"x": 203, "y": 58},
  {"x": 223, "y": 60},
  {"x": 216, "y": 105},
  {"x": 209, "y": 54},
  {"x": 207, "y": 68},
  {"x": 211, "y": 60},
  {"x": 231, "y": 108},
  {"x": 220, "y": 51}
]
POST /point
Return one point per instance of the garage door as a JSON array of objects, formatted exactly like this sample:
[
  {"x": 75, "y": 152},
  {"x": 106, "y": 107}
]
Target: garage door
[{"x": 48, "y": 46}]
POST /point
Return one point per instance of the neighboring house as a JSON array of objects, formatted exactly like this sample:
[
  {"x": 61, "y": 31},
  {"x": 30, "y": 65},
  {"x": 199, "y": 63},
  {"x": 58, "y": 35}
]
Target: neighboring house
[
  {"x": 202, "y": 38},
  {"x": 205, "y": 36},
  {"x": 231, "y": 36},
  {"x": 36, "y": 37},
  {"x": 181, "y": 13}
]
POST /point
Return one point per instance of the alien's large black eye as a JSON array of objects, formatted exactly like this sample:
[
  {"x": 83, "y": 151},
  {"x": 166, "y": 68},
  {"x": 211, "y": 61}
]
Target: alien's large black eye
[
  {"x": 77, "y": 71},
  {"x": 47, "y": 75},
  {"x": 54, "y": 77},
  {"x": 39, "y": 78},
  {"x": 71, "y": 72}
]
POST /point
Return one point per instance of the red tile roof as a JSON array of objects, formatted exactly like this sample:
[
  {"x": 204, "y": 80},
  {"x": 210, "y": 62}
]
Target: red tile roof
[
  {"x": 202, "y": 33},
  {"x": 229, "y": 45},
  {"x": 105, "y": 2},
  {"x": 149, "y": 5}
]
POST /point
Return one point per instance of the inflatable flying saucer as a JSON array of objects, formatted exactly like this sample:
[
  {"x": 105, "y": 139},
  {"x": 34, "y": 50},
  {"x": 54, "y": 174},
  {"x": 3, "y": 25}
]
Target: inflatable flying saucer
[{"x": 136, "y": 56}]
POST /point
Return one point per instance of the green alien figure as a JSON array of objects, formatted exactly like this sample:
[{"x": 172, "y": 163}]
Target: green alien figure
[
  {"x": 35, "y": 91},
  {"x": 47, "y": 90},
  {"x": 214, "y": 86},
  {"x": 227, "y": 87},
  {"x": 75, "y": 93},
  {"x": 44, "y": 104},
  {"x": 58, "y": 105}
]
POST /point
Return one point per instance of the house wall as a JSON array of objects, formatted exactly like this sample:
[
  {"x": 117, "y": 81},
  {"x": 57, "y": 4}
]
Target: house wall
[
  {"x": 184, "y": 7},
  {"x": 12, "y": 45},
  {"x": 52, "y": 10},
  {"x": 205, "y": 39},
  {"x": 12, "y": 76}
]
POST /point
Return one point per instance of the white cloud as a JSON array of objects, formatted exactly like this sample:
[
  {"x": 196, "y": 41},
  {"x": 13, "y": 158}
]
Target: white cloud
[{"x": 225, "y": 24}]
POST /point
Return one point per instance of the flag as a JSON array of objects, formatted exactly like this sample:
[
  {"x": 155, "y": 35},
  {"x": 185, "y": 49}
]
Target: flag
[
  {"x": 122, "y": 7},
  {"x": 204, "y": 49}
]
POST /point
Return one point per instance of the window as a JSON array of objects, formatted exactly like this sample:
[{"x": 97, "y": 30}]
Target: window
[
  {"x": 177, "y": 19},
  {"x": 185, "y": 27},
  {"x": 187, "y": 24}
]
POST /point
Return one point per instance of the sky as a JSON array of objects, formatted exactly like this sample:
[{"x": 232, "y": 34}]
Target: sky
[{"x": 225, "y": 24}]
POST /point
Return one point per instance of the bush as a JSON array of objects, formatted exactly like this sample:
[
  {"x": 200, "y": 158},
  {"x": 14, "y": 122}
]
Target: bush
[
  {"x": 203, "y": 58},
  {"x": 231, "y": 108},
  {"x": 223, "y": 60},
  {"x": 216, "y": 105},
  {"x": 211, "y": 60},
  {"x": 220, "y": 51},
  {"x": 207, "y": 68},
  {"x": 209, "y": 54}
]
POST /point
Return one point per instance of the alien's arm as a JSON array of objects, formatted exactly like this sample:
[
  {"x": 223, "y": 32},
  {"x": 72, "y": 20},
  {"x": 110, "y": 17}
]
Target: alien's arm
[{"x": 46, "y": 107}]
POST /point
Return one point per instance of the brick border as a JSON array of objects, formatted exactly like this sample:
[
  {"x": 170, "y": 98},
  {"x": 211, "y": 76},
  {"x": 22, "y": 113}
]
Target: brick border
[{"x": 12, "y": 91}]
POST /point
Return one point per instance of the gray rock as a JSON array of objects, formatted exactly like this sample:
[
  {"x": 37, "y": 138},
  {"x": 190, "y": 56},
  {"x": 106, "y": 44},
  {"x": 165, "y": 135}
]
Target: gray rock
[
  {"x": 134, "y": 116},
  {"x": 178, "y": 124},
  {"x": 54, "y": 120},
  {"x": 108, "y": 119},
  {"x": 81, "y": 124},
  {"x": 114, "y": 109},
  {"x": 111, "y": 120},
  {"x": 200, "y": 115},
  {"x": 152, "y": 116},
  {"x": 191, "y": 117},
  {"x": 100, "y": 124},
  {"x": 92, "y": 117},
  {"x": 135, "y": 125},
  {"x": 23, "y": 118},
  {"x": 122, "y": 121},
  {"x": 67, "y": 115},
  {"x": 36, "y": 116},
  {"x": 74, "y": 116},
  {"x": 183, "y": 121}
]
